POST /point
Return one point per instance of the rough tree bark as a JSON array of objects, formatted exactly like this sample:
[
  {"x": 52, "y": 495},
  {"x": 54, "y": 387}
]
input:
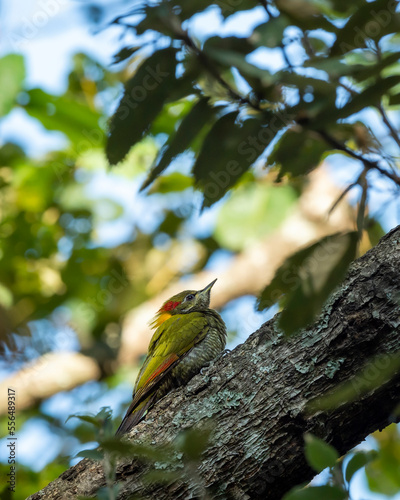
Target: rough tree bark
[{"x": 259, "y": 396}]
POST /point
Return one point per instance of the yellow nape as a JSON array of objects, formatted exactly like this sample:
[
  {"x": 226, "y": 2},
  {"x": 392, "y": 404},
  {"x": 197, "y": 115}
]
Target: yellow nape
[{"x": 159, "y": 320}]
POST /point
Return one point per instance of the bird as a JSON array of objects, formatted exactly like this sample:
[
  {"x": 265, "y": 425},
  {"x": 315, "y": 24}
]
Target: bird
[{"x": 188, "y": 336}]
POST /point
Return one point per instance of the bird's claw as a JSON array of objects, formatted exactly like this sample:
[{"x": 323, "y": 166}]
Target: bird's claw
[
  {"x": 222, "y": 354},
  {"x": 204, "y": 367}
]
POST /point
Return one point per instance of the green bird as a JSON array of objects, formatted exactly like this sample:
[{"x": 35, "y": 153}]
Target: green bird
[{"x": 188, "y": 335}]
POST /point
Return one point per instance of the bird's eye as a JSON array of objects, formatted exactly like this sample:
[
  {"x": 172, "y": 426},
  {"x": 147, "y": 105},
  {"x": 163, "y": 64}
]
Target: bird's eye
[{"x": 189, "y": 297}]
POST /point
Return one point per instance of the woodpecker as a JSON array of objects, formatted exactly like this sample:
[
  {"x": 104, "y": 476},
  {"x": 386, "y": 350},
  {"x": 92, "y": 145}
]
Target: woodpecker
[{"x": 188, "y": 335}]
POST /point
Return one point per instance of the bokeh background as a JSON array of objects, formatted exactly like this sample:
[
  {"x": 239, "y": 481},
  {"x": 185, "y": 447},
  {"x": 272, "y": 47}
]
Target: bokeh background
[{"x": 86, "y": 259}]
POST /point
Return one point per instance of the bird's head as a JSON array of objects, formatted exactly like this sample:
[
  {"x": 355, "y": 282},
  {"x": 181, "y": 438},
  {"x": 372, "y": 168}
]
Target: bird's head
[{"x": 182, "y": 303}]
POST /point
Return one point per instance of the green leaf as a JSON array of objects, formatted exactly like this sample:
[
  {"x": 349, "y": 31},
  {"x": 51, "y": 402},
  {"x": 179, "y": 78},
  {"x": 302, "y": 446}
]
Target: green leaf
[
  {"x": 77, "y": 121},
  {"x": 361, "y": 383},
  {"x": 125, "y": 448},
  {"x": 227, "y": 153},
  {"x": 125, "y": 53},
  {"x": 298, "y": 152},
  {"x": 93, "y": 454},
  {"x": 144, "y": 96},
  {"x": 154, "y": 476},
  {"x": 316, "y": 493},
  {"x": 231, "y": 52},
  {"x": 98, "y": 420},
  {"x": 232, "y": 8},
  {"x": 306, "y": 279},
  {"x": 319, "y": 454},
  {"x": 171, "y": 224},
  {"x": 217, "y": 45},
  {"x": 193, "y": 442},
  {"x": 171, "y": 183},
  {"x": 357, "y": 461},
  {"x": 394, "y": 100},
  {"x": 199, "y": 116},
  {"x": 270, "y": 34},
  {"x": 12, "y": 75},
  {"x": 305, "y": 14},
  {"x": 170, "y": 117}
]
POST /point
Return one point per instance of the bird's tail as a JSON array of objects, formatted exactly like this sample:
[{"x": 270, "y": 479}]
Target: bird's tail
[{"x": 134, "y": 415}]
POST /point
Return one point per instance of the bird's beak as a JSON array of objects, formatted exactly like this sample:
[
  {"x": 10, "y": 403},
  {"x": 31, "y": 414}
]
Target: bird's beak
[{"x": 207, "y": 289}]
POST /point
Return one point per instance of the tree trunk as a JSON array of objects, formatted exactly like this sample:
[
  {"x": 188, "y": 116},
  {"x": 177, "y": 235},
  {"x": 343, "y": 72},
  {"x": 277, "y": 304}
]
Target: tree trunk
[{"x": 264, "y": 395}]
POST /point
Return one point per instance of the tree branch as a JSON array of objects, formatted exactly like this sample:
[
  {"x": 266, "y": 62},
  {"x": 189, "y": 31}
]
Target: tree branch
[
  {"x": 368, "y": 164},
  {"x": 264, "y": 396},
  {"x": 307, "y": 224}
]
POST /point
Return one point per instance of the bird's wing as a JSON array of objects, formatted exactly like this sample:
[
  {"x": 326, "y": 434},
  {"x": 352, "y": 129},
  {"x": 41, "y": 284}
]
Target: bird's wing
[{"x": 179, "y": 335}]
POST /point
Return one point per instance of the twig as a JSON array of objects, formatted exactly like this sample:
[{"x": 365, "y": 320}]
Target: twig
[
  {"x": 266, "y": 7},
  {"x": 184, "y": 36},
  {"x": 342, "y": 195},
  {"x": 286, "y": 57},
  {"x": 368, "y": 164}
]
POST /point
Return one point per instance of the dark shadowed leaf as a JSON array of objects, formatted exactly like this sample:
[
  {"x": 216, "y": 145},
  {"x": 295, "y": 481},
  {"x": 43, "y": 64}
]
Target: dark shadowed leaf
[
  {"x": 270, "y": 34},
  {"x": 375, "y": 67},
  {"x": 93, "y": 454},
  {"x": 305, "y": 281},
  {"x": 125, "y": 53},
  {"x": 227, "y": 153},
  {"x": 193, "y": 442},
  {"x": 171, "y": 224},
  {"x": 298, "y": 152},
  {"x": 144, "y": 96},
  {"x": 161, "y": 476},
  {"x": 394, "y": 100},
  {"x": 319, "y": 454},
  {"x": 231, "y": 52},
  {"x": 200, "y": 115},
  {"x": 86, "y": 418},
  {"x": 217, "y": 44},
  {"x": 125, "y": 448},
  {"x": 12, "y": 74}
]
